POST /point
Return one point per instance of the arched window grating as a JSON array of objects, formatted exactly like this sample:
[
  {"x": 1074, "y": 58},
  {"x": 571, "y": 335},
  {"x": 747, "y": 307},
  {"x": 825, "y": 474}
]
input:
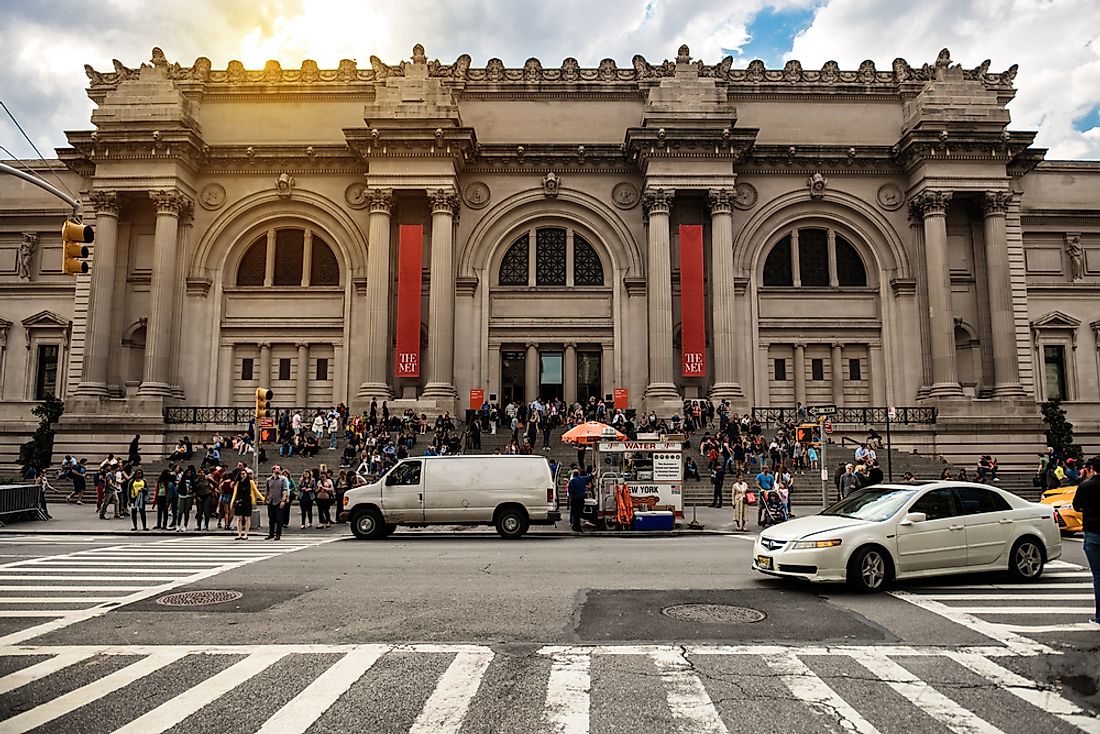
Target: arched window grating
[
  {"x": 513, "y": 268},
  {"x": 587, "y": 268}
]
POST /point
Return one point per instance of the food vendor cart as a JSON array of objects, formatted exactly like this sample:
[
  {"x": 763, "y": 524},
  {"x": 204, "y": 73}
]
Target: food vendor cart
[{"x": 652, "y": 472}]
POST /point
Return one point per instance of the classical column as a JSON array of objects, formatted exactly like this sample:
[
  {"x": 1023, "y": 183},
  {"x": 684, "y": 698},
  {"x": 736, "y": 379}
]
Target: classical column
[
  {"x": 377, "y": 344},
  {"x": 569, "y": 376},
  {"x": 531, "y": 364},
  {"x": 307, "y": 258},
  {"x": 441, "y": 297},
  {"x": 661, "y": 386},
  {"x": 265, "y": 365},
  {"x": 226, "y": 375},
  {"x": 1006, "y": 367},
  {"x": 723, "y": 348},
  {"x": 607, "y": 369},
  {"x": 97, "y": 334},
  {"x": 301, "y": 385},
  {"x": 837, "y": 369},
  {"x": 156, "y": 380},
  {"x": 945, "y": 379},
  {"x": 799, "y": 374},
  {"x": 494, "y": 385}
]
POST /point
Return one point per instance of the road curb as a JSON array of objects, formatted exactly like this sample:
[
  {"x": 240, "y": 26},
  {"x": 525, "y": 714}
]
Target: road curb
[{"x": 444, "y": 533}]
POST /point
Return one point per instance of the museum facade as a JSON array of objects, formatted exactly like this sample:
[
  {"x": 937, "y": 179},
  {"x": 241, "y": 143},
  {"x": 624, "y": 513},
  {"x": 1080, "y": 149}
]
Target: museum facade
[{"x": 413, "y": 232}]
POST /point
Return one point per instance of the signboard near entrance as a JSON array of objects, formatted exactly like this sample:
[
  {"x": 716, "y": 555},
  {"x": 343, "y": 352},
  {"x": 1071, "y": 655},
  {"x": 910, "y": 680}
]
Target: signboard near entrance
[
  {"x": 410, "y": 259},
  {"x": 693, "y": 314},
  {"x": 477, "y": 397},
  {"x": 622, "y": 399}
]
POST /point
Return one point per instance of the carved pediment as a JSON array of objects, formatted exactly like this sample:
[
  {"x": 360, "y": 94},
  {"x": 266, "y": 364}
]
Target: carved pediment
[
  {"x": 45, "y": 321},
  {"x": 1055, "y": 320}
]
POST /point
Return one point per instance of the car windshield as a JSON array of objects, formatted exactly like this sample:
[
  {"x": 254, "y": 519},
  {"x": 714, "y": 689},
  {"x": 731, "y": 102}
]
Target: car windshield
[{"x": 872, "y": 503}]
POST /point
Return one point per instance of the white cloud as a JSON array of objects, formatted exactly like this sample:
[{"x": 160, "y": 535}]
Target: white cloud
[{"x": 1057, "y": 44}]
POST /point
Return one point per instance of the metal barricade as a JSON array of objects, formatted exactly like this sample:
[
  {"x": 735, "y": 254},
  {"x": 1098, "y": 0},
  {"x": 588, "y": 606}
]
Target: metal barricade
[{"x": 17, "y": 499}]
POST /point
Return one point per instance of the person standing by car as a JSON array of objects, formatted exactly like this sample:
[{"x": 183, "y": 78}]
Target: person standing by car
[
  {"x": 849, "y": 481},
  {"x": 1086, "y": 500}
]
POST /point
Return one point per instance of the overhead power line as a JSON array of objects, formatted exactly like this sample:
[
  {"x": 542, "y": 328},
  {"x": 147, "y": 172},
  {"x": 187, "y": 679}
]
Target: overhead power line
[{"x": 35, "y": 148}]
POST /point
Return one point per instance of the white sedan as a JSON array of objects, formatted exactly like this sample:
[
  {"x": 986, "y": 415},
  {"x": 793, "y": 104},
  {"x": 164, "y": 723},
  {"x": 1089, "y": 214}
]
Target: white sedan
[{"x": 911, "y": 530}]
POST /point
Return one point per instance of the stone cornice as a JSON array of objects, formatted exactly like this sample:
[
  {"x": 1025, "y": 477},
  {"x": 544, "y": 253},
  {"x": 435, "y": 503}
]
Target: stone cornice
[
  {"x": 138, "y": 142},
  {"x": 645, "y": 143},
  {"x": 957, "y": 143},
  {"x": 833, "y": 158},
  {"x": 201, "y": 78},
  {"x": 427, "y": 141},
  {"x": 527, "y": 157}
]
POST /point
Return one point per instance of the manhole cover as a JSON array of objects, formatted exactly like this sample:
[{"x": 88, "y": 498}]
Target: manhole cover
[
  {"x": 198, "y": 598},
  {"x": 713, "y": 613}
]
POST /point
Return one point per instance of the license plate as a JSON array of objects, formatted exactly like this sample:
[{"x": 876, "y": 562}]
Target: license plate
[{"x": 764, "y": 562}]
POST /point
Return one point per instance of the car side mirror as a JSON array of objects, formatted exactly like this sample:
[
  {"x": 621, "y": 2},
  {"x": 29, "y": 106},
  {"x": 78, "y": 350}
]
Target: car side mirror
[{"x": 913, "y": 517}]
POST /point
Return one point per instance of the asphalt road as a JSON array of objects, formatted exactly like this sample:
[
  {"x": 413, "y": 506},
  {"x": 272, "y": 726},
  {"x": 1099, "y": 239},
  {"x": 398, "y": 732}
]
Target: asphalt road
[{"x": 436, "y": 633}]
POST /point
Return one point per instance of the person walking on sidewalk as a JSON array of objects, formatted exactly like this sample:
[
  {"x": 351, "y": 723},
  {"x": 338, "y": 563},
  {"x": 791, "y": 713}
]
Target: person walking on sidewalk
[
  {"x": 203, "y": 494},
  {"x": 325, "y": 492},
  {"x": 307, "y": 493},
  {"x": 185, "y": 490},
  {"x": 717, "y": 478},
  {"x": 139, "y": 494},
  {"x": 276, "y": 497},
  {"x": 160, "y": 499},
  {"x": 1086, "y": 500},
  {"x": 245, "y": 495},
  {"x": 110, "y": 492},
  {"x": 740, "y": 489},
  {"x": 78, "y": 473}
]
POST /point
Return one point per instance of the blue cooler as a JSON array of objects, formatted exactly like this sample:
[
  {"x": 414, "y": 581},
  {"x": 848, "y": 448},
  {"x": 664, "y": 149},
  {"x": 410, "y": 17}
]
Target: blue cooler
[{"x": 656, "y": 520}]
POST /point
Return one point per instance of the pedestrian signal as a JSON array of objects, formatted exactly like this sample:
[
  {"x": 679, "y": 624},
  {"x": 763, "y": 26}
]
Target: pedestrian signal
[
  {"x": 805, "y": 434},
  {"x": 75, "y": 252},
  {"x": 263, "y": 397}
]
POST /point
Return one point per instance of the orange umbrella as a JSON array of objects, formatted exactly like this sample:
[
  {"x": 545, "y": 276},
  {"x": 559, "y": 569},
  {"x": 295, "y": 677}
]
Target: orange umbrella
[{"x": 592, "y": 432}]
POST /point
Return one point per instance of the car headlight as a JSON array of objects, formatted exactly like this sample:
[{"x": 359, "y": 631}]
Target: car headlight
[{"x": 814, "y": 544}]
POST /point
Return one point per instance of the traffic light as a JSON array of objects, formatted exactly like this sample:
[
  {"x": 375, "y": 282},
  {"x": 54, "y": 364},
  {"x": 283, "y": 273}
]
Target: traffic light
[
  {"x": 263, "y": 397},
  {"x": 805, "y": 434},
  {"x": 74, "y": 235}
]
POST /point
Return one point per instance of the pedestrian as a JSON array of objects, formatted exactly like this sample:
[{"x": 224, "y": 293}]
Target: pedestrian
[
  {"x": 717, "y": 478},
  {"x": 307, "y": 488},
  {"x": 185, "y": 492},
  {"x": 225, "y": 503},
  {"x": 764, "y": 483},
  {"x": 276, "y": 499},
  {"x": 325, "y": 491},
  {"x": 740, "y": 489},
  {"x": 138, "y": 496},
  {"x": 577, "y": 490},
  {"x": 204, "y": 493},
  {"x": 849, "y": 481},
  {"x": 1086, "y": 500},
  {"x": 134, "y": 456},
  {"x": 160, "y": 499},
  {"x": 175, "y": 475},
  {"x": 245, "y": 494},
  {"x": 111, "y": 483},
  {"x": 78, "y": 472}
]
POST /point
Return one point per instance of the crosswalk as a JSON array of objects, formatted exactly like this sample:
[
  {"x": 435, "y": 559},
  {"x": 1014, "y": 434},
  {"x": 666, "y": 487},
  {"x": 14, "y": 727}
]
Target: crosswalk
[
  {"x": 55, "y": 591},
  {"x": 462, "y": 689},
  {"x": 1023, "y": 616}
]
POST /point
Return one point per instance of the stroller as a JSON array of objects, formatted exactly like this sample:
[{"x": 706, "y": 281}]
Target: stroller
[{"x": 772, "y": 509}]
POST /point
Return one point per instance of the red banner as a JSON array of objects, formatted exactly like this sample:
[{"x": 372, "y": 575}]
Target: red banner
[
  {"x": 693, "y": 315},
  {"x": 622, "y": 400},
  {"x": 477, "y": 397},
  {"x": 409, "y": 258}
]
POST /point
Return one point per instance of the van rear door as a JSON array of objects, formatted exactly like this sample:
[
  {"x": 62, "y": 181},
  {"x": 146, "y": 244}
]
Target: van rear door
[{"x": 403, "y": 492}]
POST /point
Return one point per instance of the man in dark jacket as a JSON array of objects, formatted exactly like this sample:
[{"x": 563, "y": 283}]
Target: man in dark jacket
[
  {"x": 1086, "y": 500},
  {"x": 578, "y": 489}
]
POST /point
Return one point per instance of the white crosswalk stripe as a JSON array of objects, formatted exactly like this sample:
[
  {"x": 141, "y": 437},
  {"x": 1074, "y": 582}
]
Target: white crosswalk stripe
[
  {"x": 1059, "y": 601},
  {"x": 686, "y": 675},
  {"x": 80, "y": 585}
]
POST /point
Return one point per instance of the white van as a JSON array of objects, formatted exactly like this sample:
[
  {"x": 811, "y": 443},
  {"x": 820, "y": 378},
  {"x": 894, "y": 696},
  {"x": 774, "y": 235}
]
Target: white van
[{"x": 508, "y": 492}]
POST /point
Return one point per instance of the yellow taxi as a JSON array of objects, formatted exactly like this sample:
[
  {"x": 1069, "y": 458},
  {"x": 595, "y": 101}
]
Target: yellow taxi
[{"x": 1061, "y": 499}]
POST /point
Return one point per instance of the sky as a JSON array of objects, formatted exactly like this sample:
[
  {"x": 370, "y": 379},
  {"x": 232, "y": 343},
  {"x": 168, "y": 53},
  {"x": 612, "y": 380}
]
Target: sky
[{"x": 1055, "y": 42}]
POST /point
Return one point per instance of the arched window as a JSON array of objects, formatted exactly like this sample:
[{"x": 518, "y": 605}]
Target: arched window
[
  {"x": 561, "y": 257},
  {"x": 814, "y": 257},
  {"x": 587, "y": 268},
  {"x": 513, "y": 269},
  {"x": 288, "y": 267}
]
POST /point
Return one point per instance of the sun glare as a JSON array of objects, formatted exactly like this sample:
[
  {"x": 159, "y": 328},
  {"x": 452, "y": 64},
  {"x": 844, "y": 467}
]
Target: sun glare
[{"x": 323, "y": 31}]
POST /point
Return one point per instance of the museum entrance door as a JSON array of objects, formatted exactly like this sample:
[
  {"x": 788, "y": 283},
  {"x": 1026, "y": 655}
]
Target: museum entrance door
[{"x": 513, "y": 376}]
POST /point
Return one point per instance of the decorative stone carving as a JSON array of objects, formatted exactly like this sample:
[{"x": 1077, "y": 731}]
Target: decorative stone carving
[
  {"x": 720, "y": 201},
  {"x": 657, "y": 200},
  {"x": 284, "y": 185},
  {"x": 476, "y": 195},
  {"x": 890, "y": 197},
  {"x": 443, "y": 200},
  {"x": 212, "y": 196},
  {"x": 817, "y": 183},
  {"x": 551, "y": 184},
  {"x": 744, "y": 196},
  {"x": 996, "y": 202},
  {"x": 625, "y": 195},
  {"x": 356, "y": 195},
  {"x": 380, "y": 200},
  {"x": 1075, "y": 255},
  {"x": 931, "y": 202},
  {"x": 26, "y": 254},
  {"x": 106, "y": 202},
  {"x": 170, "y": 202},
  {"x": 683, "y": 55}
]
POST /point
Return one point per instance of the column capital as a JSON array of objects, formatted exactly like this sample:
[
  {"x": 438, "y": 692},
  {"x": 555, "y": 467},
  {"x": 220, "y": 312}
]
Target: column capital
[
  {"x": 836, "y": 345},
  {"x": 931, "y": 202},
  {"x": 171, "y": 202},
  {"x": 799, "y": 345},
  {"x": 264, "y": 345},
  {"x": 996, "y": 203},
  {"x": 657, "y": 200},
  {"x": 531, "y": 345},
  {"x": 302, "y": 345},
  {"x": 720, "y": 201},
  {"x": 379, "y": 200},
  {"x": 108, "y": 203},
  {"x": 443, "y": 201},
  {"x": 570, "y": 345}
]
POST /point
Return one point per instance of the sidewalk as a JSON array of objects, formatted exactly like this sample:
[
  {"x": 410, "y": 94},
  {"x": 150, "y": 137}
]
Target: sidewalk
[{"x": 83, "y": 520}]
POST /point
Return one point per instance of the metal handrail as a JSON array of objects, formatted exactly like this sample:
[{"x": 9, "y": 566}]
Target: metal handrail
[
  {"x": 230, "y": 414},
  {"x": 867, "y": 416}
]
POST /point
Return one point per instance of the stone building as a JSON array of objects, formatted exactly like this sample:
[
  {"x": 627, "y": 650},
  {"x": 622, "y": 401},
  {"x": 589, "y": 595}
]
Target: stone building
[{"x": 870, "y": 238}]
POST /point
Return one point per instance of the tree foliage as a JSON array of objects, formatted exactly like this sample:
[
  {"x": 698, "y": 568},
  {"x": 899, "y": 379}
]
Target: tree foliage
[
  {"x": 39, "y": 450},
  {"x": 1059, "y": 430}
]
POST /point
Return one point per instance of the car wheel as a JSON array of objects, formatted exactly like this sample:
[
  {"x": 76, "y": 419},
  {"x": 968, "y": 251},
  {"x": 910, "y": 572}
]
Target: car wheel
[
  {"x": 511, "y": 523},
  {"x": 1026, "y": 560},
  {"x": 869, "y": 570},
  {"x": 368, "y": 525}
]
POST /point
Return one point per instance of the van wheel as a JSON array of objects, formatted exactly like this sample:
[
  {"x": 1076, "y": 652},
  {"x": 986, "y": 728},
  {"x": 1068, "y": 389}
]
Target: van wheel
[
  {"x": 1026, "y": 560},
  {"x": 368, "y": 525},
  {"x": 511, "y": 522}
]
